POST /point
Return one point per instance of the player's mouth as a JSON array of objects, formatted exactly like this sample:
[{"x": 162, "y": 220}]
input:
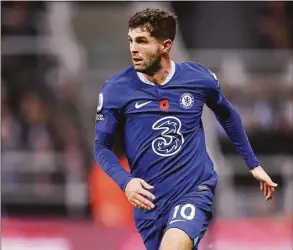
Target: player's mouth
[{"x": 136, "y": 60}]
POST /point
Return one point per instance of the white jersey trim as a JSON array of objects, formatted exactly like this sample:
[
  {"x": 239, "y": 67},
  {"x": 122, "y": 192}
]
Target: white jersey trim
[{"x": 168, "y": 78}]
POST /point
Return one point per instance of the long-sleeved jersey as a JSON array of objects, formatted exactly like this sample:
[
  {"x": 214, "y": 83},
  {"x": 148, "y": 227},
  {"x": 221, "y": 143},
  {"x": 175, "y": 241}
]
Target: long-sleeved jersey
[{"x": 164, "y": 138}]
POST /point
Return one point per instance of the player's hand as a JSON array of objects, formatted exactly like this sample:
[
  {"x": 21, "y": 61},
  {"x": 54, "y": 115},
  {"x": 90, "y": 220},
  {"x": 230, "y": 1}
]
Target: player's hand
[
  {"x": 137, "y": 194},
  {"x": 266, "y": 184}
]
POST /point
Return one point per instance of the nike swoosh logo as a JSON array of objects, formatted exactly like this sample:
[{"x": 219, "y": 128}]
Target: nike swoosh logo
[
  {"x": 173, "y": 221},
  {"x": 138, "y": 106}
]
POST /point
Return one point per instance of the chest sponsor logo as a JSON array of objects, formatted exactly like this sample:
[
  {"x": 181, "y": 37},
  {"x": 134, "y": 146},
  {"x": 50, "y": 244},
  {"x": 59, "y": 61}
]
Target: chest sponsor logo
[{"x": 170, "y": 141}]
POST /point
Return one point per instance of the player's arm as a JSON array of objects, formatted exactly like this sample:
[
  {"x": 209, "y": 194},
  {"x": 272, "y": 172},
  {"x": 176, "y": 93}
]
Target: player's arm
[
  {"x": 107, "y": 119},
  {"x": 230, "y": 120},
  {"x": 105, "y": 128}
]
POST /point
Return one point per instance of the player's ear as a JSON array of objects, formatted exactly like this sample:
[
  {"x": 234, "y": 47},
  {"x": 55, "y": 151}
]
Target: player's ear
[{"x": 166, "y": 45}]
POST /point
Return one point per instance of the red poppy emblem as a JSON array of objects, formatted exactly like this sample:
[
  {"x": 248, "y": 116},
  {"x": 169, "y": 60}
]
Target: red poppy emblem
[{"x": 164, "y": 104}]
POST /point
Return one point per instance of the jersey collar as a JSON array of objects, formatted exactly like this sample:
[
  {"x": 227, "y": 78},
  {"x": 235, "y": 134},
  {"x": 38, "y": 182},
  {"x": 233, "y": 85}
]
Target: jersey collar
[{"x": 168, "y": 78}]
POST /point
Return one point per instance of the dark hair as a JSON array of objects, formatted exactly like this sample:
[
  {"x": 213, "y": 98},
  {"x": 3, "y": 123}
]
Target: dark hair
[{"x": 161, "y": 24}]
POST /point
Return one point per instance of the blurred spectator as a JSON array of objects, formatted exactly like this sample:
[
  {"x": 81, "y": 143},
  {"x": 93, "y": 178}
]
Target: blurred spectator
[
  {"x": 40, "y": 128},
  {"x": 285, "y": 117},
  {"x": 35, "y": 116},
  {"x": 10, "y": 127},
  {"x": 16, "y": 19},
  {"x": 275, "y": 26},
  {"x": 264, "y": 110},
  {"x": 104, "y": 197}
]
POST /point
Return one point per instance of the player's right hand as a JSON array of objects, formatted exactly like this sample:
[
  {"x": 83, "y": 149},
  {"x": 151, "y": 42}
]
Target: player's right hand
[{"x": 137, "y": 194}]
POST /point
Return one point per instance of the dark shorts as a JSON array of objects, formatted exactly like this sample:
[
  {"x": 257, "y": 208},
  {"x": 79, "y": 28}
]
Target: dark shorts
[{"x": 186, "y": 214}]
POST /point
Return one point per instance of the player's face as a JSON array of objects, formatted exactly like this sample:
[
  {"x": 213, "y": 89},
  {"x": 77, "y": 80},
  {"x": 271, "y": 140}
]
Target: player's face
[{"x": 146, "y": 51}]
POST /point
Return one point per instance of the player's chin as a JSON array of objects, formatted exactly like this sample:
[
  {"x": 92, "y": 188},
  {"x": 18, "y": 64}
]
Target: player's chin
[{"x": 139, "y": 68}]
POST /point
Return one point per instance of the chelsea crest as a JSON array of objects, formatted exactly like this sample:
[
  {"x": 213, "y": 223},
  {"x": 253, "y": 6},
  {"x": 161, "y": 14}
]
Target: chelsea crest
[{"x": 186, "y": 100}]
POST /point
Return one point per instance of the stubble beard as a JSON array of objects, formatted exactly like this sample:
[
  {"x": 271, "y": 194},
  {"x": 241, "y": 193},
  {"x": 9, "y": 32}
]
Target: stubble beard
[{"x": 153, "y": 67}]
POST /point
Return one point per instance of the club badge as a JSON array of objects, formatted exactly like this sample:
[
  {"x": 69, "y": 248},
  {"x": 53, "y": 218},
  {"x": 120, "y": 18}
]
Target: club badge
[{"x": 186, "y": 100}]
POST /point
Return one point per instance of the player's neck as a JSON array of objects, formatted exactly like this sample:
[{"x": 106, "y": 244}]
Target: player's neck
[{"x": 160, "y": 76}]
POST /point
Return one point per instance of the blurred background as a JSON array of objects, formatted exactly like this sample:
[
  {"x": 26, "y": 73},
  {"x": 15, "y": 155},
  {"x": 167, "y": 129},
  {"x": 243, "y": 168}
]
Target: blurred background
[{"x": 56, "y": 55}]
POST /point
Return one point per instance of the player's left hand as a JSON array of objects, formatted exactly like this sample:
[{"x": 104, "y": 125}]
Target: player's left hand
[{"x": 266, "y": 183}]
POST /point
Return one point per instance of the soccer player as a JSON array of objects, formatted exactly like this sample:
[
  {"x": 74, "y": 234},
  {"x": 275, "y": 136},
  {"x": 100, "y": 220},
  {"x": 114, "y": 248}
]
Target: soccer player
[{"x": 159, "y": 103}]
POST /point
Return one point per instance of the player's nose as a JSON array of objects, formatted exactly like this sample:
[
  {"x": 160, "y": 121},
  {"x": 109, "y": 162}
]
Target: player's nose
[{"x": 133, "y": 49}]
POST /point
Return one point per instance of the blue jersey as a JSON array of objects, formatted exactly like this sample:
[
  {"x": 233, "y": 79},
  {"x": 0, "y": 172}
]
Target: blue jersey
[{"x": 164, "y": 138}]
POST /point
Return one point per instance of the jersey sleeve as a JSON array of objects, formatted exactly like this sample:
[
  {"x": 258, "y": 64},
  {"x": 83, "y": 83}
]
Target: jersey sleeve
[
  {"x": 106, "y": 122},
  {"x": 230, "y": 120},
  {"x": 107, "y": 115}
]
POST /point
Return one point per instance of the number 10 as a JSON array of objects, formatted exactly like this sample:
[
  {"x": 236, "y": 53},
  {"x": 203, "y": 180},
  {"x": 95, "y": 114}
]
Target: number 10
[{"x": 190, "y": 216}]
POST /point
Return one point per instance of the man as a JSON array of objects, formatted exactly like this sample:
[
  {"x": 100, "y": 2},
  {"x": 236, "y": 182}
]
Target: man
[{"x": 159, "y": 103}]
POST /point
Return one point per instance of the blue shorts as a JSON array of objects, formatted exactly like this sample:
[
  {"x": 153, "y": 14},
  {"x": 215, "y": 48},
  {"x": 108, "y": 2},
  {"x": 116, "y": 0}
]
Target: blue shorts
[{"x": 185, "y": 214}]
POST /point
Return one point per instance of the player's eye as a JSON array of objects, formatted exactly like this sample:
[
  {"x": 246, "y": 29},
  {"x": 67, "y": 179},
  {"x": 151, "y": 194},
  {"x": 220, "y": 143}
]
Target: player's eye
[{"x": 142, "y": 41}]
